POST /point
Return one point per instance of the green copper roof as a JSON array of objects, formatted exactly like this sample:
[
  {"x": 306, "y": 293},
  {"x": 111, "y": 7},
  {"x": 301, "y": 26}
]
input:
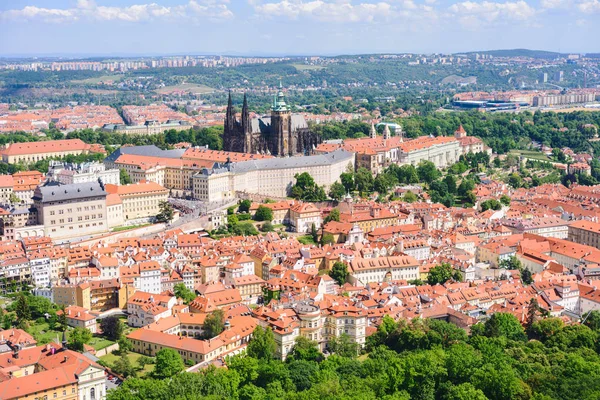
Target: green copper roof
[{"x": 279, "y": 101}]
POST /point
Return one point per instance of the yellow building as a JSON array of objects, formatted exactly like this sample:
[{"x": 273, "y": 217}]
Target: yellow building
[
  {"x": 73, "y": 295},
  {"x": 31, "y": 152}
]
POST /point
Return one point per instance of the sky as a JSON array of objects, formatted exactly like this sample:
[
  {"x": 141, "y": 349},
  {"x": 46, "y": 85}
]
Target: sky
[{"x": 294, "y": 27}]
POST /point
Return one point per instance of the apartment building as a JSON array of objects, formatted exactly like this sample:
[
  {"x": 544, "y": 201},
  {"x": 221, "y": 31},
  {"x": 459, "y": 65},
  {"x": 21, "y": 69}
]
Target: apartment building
[
  {"x": 74, "y": 210},
  {"x": 39, "y": 263},
  {"x": 144, "y": 308},
  {"x": 560, "y": 99},
  {"x": 67, "y": 294}
]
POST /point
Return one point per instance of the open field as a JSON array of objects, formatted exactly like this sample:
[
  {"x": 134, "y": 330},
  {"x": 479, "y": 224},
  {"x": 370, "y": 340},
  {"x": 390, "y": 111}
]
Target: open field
[
  {"x": 307, "y": 67},
  {"x": 186, "y": 87},
  {"x": 100, "y": 343},
  {"x": 43, "y": 334},
  {"x": 107, "y": 79},
  {"x": 110, "y": 360}
]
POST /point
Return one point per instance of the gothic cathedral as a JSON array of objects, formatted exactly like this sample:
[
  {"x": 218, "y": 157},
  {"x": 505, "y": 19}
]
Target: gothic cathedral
[{"x": 281, "y": 134}]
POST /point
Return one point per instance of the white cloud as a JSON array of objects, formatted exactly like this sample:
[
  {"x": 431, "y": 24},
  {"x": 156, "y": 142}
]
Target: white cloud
[
  {"x": 589, "y": 7},
  {"x": 46, "y": 14},
  {"x": 341, "y": 10},
  {"x": 471, "y": 14},
  {"x": 551, "y": 4},
  {"x": 90, "y": 10}
]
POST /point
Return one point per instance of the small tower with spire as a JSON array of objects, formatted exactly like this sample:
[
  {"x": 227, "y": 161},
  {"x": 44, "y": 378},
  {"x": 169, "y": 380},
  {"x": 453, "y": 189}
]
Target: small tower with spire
[
  {"x": 373, "y": 133},
  {"x": 64, "y": 340},
  {"x": 460, "y": 132},
  {"x": 386, "y": 133}
]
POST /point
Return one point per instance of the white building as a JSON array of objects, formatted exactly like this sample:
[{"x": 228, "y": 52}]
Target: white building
[
  {"x": 150, "y": 277},
  {"x": 270, "y": 177},
  {"x": 144, "y": 308},
  {"x": 39, "y": 262},
  {"x": 68, "y": 173}
]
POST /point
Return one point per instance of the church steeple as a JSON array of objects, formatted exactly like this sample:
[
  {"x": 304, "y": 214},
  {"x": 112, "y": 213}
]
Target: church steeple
[
  {"x": 246, "y": 129},
  {"x": 245, "y": 114},
  {"x": 373, "y": 133},
  {"x": 386, "y": 133},
  {"x": 230, "y": 114}
]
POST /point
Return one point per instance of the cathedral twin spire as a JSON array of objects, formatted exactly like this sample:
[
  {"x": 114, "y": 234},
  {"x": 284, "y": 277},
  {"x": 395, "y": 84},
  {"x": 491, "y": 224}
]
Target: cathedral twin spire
[{"x": 230, "y": 115}]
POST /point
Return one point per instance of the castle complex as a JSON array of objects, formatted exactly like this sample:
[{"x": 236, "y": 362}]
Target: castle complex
[{"x": 281, "y": 134}]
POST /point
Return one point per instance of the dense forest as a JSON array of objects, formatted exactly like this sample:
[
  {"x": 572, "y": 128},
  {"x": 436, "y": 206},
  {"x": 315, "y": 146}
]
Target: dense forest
[{"x": 421, "y": 360}]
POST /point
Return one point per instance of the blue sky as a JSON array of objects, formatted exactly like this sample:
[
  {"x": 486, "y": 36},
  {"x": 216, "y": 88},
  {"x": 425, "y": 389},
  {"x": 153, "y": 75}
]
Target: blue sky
[{"x": 289, "y": 27}]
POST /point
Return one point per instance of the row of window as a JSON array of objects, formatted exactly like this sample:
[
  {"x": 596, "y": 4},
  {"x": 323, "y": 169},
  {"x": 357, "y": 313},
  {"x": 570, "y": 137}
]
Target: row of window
[
  {"x": 80, "y": 226},
  {"x": 79, "y": 209},
  {"x": 87, "y": 218}
]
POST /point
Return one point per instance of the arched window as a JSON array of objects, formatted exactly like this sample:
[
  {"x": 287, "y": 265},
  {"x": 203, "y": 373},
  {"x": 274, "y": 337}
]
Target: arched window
[{"x": 93, "y": 393}]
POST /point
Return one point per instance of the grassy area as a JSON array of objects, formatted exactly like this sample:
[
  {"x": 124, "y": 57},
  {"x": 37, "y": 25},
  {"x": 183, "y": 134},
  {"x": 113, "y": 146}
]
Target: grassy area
[
  {"x": 307, "y": 67},
  {"x": 126, "y": 228},
  {"x": 110, "y": 360},
  {"x": 306, "y": 239},
  {"x": 43, "y": 334},
  {"x": 99, "y": 343},
  {"x": 186, "y": 87},
  {"x": 100, "y": 79},
  {"x": 533, "y": 155}
]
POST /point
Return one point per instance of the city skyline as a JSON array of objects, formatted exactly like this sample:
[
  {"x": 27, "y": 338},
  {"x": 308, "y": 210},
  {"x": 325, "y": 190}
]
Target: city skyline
[{"x": 282, "y": 27}]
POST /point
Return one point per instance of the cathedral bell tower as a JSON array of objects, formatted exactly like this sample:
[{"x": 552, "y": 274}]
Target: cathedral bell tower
[{"x": 281, "y": 127}]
